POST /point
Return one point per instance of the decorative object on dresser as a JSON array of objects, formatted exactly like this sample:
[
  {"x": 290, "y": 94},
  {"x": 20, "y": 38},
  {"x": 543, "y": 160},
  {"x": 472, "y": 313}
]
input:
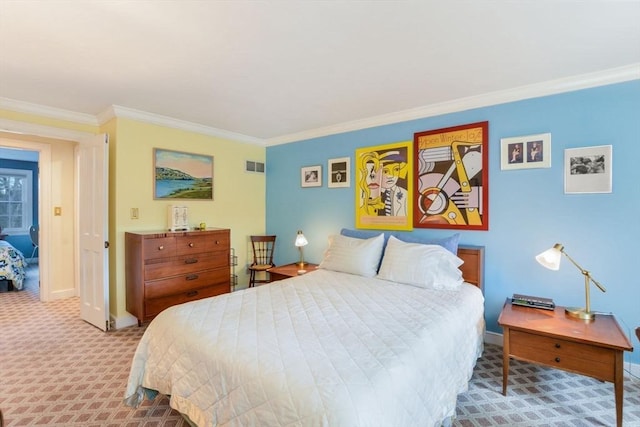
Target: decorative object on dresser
[
  {"x": 300, "y": 243},
  {"x": 551, "y": 260},
  {"x": 169, "y": 268},
  {"x": 178, "y": 218},
  {"x": 263, "y": 248},
  {"x": 554, "y": 339},
  {"x": 282, "y": 272}
]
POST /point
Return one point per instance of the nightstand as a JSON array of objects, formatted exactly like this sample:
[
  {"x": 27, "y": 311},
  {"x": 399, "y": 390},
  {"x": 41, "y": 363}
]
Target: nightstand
[
  {"x": 289, "y": 270},
  {"x": 552, "y": 338}
]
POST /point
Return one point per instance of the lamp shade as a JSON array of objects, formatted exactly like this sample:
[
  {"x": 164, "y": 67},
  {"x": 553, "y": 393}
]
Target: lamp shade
[
  {"x": 551, "y": 257},
  {"x": 300, "y": 239}
]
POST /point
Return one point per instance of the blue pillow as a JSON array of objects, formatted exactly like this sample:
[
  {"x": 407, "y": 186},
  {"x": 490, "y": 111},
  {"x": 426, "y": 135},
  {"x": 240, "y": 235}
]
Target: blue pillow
[{"x": 450, "y": 243}]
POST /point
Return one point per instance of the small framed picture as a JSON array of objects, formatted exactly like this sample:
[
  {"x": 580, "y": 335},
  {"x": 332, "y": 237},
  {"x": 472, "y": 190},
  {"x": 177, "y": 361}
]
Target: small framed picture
[
  {"x": 588, "y": 169},
  {"x": 526, "y": 152},
  {"x": 311, "y": 176},
  {"x": 339, "y": 172}
]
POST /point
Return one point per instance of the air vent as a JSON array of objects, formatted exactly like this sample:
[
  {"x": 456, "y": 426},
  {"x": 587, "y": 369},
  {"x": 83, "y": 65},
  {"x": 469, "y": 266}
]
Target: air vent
[{"x": 255, "y": 166}]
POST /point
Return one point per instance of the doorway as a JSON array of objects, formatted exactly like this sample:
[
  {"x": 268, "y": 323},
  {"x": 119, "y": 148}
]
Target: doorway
[{"x": 19, "y": 215}]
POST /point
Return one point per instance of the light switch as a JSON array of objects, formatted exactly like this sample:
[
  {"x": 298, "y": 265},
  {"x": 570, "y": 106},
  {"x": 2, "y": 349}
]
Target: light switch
[
  {"x": 57, "y": 211},
  {"x": 134, "y": 213}
]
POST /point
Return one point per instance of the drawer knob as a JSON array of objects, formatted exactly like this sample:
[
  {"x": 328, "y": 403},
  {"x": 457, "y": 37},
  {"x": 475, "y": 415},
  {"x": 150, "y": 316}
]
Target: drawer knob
[
  {"x": 192, "y": 277},
  {"x": 161, "y": 247},
  {"x": 217, "y": 242},
  {"x": 557, "y": 345},
  {"x": 557, "y": 360},
  {"x": 192, "y": 293},
  {"x": 190, "y": 245}
]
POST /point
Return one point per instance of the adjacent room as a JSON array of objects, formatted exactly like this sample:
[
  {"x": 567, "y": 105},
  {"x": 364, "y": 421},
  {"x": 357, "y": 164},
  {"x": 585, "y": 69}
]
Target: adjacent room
[{"x": 339, "y": 213}]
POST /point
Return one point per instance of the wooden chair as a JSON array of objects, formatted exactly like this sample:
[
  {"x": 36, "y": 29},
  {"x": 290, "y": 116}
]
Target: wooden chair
[{"x": 263, "y": 248}]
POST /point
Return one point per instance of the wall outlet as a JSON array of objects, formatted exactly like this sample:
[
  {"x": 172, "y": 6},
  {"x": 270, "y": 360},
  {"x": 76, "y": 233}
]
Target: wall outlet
[{"x": 134, "y": 213}]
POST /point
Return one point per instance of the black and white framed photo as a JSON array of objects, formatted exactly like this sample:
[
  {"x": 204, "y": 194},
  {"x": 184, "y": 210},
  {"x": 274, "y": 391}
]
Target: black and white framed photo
[
  {"x": 588, "y": 169},
  {"x": 526, "y": 152},
  {"x": 311, "y": 176},
  {"x": 339, "y": 172}
]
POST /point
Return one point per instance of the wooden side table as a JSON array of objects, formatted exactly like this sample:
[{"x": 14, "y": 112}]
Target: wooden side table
[
  {"x": 552, "y": 338},
  {"x": 289, "y": 270}
]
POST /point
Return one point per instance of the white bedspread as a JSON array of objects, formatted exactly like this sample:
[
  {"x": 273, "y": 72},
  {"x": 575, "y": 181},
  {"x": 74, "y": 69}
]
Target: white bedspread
[{"x": 322, "y": 349}]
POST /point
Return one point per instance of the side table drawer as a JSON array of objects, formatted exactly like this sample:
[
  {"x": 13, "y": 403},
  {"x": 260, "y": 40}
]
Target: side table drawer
[{"x": 586, "y": 359}]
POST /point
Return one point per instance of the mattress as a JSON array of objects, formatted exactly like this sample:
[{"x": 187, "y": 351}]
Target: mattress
[{"x": 322, "y": 349}]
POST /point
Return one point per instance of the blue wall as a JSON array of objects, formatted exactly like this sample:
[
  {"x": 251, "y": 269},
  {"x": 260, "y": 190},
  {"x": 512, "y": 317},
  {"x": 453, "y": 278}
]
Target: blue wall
[
  {"x": 528, "y": 209},
  {"x": 22, "y": 242}
]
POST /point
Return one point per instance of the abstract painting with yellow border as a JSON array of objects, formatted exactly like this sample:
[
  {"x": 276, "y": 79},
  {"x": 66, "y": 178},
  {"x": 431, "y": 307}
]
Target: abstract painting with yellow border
[{"x": 384, "y": 187}]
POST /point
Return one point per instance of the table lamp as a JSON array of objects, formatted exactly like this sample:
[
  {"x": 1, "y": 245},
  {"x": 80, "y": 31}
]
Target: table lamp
[
  {"x": 301, "y": 241},
  {"x": 551, "y": 260}
]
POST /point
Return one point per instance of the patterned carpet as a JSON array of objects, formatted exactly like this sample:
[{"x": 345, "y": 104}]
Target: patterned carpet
[{"x": 57, "y": 370}]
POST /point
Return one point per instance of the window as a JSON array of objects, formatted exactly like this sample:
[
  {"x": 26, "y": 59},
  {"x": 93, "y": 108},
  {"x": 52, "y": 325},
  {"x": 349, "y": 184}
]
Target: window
[{"x": 16, "y": 200}]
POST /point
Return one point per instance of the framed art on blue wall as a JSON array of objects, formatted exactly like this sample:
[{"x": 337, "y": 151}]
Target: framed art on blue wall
[
  {"x": 452, "y": 178},
  {"x": 588, "y": 169},
  {"x": 180, "y": 175},
  {"x": 384, "y": 187},
  {"x": 525, "y": 152},
  {"x": 339, "y": 173},
  {"x": 311, "y": 176}
]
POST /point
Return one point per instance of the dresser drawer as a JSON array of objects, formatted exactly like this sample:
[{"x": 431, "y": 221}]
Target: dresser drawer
[
  {"x": 586, "y": 359},
  {"x": 154, "y": 306},
  {"x": 199, "y": 243},
  {"x": 159, "y": 247},
  {"x": 158, "y": 269},
  {"x": 186, "y": 282}
]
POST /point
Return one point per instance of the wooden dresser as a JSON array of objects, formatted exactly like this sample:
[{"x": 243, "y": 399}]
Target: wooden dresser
[{"x": 165, "y": 268}]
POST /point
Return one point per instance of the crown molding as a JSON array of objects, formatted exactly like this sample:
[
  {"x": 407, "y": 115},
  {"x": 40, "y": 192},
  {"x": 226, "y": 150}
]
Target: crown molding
[
  {"x": 50, "y": 112},
  {"x": 24, "y": 128},
  {"x": 552, "y": 87},
  {"x": 584, "y": 81},
  {"x": 156, "y": 119}
]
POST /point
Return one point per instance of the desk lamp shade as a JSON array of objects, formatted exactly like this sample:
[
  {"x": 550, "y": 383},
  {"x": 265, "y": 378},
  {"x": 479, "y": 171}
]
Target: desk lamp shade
[
  {"x": 551, "y": 260},
  {"x": 301, "y": 241}
]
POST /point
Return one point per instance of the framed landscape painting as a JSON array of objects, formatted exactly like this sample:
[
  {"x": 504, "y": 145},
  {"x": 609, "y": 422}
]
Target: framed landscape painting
[{"x": 180, "y": 175}]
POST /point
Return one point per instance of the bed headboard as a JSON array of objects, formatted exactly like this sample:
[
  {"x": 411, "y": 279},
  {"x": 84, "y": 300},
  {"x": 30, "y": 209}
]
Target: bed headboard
[{"x": 473, "y": 267}]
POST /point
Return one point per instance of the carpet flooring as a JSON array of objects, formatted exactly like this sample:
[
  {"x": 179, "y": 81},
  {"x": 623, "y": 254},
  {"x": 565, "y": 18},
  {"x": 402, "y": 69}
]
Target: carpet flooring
[{"x": 56, "y": 370}]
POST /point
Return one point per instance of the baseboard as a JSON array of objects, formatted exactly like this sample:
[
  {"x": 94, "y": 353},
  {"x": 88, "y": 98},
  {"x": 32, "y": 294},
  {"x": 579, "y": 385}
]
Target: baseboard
[
  {"x": 63, "y": 294},
  {"x": 495, "y": 338},
  {"x": 123, "y": 321}
]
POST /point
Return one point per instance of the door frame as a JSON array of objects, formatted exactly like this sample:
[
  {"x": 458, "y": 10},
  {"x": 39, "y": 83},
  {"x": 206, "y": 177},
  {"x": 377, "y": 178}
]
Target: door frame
[{"x": 45, "y": 204}]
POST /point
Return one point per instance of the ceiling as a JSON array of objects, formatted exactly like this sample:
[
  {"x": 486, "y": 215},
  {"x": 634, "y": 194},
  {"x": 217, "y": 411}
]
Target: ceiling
[{"x": 270, "y": 70}]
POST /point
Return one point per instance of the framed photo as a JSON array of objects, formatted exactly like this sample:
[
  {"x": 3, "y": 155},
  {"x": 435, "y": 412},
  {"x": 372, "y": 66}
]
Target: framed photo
[
  {"x": 526, "y": 152},
  {"x": 311, "y": 176},
  {"x": 179, "y": 175},
  {"x": 384, "y": 187},
  {"x": 339, "y": 173},
  {"x": 452, "y": 178},
  {"x": 588, "y": 170}
]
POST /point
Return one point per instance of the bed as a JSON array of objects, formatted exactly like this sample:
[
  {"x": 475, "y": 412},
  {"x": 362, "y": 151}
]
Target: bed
[
  {"x": 12, "y": 265},
  {"x": 376, "y": 345}
]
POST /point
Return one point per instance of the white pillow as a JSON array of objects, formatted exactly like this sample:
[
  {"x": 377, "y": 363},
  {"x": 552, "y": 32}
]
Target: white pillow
[
  {"x": 426, "y": 266},
  {"x": 355, "y": 256}
]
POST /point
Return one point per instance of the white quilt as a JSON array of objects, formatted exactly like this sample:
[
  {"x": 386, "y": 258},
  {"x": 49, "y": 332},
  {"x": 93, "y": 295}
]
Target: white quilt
[{"x": 322, "y": 349}]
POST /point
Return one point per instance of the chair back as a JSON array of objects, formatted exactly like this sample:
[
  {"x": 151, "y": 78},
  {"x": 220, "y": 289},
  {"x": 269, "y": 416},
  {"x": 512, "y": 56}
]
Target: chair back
[
  {"x": 33, "y": 233},
  {"x": 263, "y": 248}
]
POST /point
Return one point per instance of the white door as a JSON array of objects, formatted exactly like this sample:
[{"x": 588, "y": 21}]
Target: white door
[{"x": 92, "y": 159}]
